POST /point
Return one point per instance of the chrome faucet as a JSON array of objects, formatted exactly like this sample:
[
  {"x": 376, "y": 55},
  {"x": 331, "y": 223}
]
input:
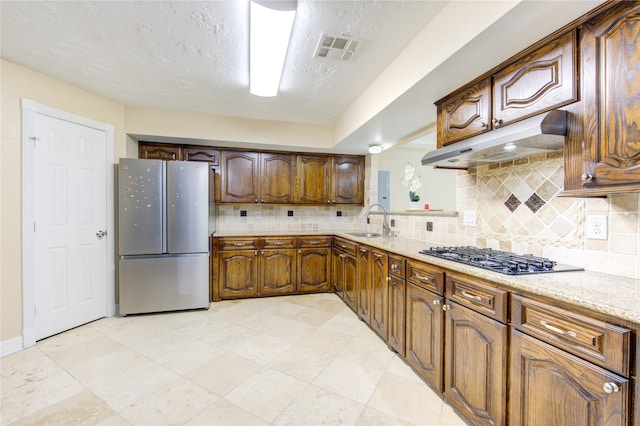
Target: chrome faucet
[{"x": 385, "y": 227}]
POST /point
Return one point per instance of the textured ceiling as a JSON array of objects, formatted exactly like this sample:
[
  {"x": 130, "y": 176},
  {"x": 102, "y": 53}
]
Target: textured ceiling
[{"x": 193, "y": 55}]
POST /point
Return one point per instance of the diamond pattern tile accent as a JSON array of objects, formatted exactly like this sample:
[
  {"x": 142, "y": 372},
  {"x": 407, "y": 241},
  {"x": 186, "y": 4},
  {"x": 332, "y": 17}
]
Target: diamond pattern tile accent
[
  {"x": 512, "y": 203},
  {"x": 534, "y": 202}
]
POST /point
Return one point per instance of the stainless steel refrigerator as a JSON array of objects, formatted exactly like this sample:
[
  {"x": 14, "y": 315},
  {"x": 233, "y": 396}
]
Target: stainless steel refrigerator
[{"x": 163, "y": 235}]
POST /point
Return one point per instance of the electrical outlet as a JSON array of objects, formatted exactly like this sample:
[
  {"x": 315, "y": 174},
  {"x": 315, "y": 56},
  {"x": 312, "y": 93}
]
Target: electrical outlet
[
  {"x": 339, "y": 213},
  {"x": 368, "y": 221},
  {"x": 469, "y": 218},
  {"x": 597, "y": 227},
  {"x": 430, "y": 226},
  {"x": 393, "y": 222}
]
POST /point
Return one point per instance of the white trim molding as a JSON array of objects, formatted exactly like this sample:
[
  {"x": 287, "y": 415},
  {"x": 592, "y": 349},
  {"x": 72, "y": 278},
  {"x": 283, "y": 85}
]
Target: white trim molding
[
  {"x": 29, "y": 108},
  {"x": 10, "y": 346}
]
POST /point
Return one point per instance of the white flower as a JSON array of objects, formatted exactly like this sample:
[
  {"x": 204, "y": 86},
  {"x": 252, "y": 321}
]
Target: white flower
[{"x": 411, "y": 182}]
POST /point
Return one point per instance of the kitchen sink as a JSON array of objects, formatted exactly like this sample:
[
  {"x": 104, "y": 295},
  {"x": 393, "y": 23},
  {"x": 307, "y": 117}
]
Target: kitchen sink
[{"x": 365, "y": 234}]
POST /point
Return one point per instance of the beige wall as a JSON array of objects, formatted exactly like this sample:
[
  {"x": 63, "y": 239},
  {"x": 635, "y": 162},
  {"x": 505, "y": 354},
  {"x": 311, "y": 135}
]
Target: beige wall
[
  {"x": 231, "y": 130},
  {"x": 17, "y": 82}
]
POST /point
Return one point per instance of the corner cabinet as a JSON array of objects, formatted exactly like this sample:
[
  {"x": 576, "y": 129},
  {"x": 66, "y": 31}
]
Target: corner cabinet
[
  {"x": 347, "y": 180},
  {"x": 314, "y": 264},
  {"x": 330, "y": 179},
  {"x": 604, "y": 152}
]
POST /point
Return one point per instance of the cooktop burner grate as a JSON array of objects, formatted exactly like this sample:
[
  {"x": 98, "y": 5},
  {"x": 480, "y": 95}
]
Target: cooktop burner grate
[{"x": 499, "y": 261}]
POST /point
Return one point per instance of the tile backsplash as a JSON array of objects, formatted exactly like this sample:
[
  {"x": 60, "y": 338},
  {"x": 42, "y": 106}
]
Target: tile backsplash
[{"x": 517, "y": 205}]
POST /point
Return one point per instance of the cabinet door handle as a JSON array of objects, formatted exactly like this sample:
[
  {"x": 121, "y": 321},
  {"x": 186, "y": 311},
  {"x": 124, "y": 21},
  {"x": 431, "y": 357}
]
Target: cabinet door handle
[
  {"x": 314, "y": 242},
  {"x": 558, "y": 330},
  {"x": 446, "y": 307},
  {"x": 471, "y": 296},
  {"x": 496, "y": 121},
  {"x": 378, "y": 255},
  {"x": 586, "y": 177},
  {"x": 423, "y": 278},
  {"x": 436, "y": 302},
  {"x": 238, "y": 244},
  {"x": 278, "y": 243},
  {"x": 484, "y": 125},
  {"x": 610, "y": 387}
]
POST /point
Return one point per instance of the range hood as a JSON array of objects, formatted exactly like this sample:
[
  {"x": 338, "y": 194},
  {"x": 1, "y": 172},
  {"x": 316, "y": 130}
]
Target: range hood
[{"x": 536, "y": 135}]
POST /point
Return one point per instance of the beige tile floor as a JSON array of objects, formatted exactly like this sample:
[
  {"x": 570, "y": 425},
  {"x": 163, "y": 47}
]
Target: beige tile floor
[{"x": 296, "y": 360}]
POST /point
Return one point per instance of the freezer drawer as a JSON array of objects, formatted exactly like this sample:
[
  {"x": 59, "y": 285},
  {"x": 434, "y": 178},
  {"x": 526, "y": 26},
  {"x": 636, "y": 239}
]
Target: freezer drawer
[{"x": 163, "y": 283}]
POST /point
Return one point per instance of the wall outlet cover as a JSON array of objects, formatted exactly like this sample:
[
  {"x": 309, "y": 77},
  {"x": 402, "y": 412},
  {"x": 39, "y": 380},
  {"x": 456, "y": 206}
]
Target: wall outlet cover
[
  {"x": 597, "y": 228},
  {"x": 469, "y": 218}
]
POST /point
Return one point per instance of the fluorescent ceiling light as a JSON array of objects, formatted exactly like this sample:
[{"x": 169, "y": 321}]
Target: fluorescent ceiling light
[{"x": 269, "y": 39}]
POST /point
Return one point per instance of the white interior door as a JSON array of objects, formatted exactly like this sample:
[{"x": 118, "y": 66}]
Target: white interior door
[{"x": 70, "y": 217}]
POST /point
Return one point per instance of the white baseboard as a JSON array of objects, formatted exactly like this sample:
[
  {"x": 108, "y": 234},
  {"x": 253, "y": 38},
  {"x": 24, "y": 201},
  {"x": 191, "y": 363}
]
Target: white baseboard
[
  {"x": 113, "y": 310},
  {"x": 29, "y": 337},
  {"x": 10, "y": 346}
]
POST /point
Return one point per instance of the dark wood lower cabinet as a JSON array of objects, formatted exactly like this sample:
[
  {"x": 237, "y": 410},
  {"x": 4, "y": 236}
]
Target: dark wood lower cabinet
[
  {"x": 238, "y": 273},
  {"x": 379, "y": 304},
  {"x": 476, "y": 365},
  {"x": 314, "y": 269},
  {"x": 363, "y": 288},
  {"x": 278, "y": 272},
  {"x": 553, "y": 388},
  {"x": 396, "y": 320},
  {"x": 424, "y": 327}
]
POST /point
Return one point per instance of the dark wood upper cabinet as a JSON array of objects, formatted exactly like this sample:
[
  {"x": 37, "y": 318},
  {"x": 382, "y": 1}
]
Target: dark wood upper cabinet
[
  {"x": 347, "y": 180},
  {"x": 165, "y": 152},
  {"x": 603, "y": 156},
  {"x": 314, "y": 179},
  {"x": 239, "y": 177},
  {"x": 465, "y": 114},
  {"x": 193, "y": 153},
  {"x": 277, "y": 177},
  {"x": 545, "y": 79},
  {"x": 533, "y": 82}
]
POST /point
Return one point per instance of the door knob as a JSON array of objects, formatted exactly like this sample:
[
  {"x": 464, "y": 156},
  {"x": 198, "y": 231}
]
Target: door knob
[
  {"x": 101, "y": 234},
  {"x": 610, "y": 387}
]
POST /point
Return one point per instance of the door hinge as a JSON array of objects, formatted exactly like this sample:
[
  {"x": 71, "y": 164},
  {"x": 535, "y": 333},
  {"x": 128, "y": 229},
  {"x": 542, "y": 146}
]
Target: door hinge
[
  {"x": 35, "y": 140},
  {"x": 35, "y": 310},
  {"x": 34, "y": 227}
]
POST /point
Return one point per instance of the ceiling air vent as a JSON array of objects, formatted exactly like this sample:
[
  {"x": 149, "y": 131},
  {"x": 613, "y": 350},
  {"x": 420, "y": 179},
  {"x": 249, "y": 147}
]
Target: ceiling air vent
[{"x": 335, "y": 47}]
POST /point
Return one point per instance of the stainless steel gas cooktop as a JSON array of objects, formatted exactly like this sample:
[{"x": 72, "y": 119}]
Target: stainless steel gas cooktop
[{"x": 499, "y": 261}]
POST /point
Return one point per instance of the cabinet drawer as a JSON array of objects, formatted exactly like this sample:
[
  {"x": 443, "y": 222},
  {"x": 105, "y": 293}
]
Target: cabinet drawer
[
  {"x": 346, "y": 246},
  {"x": 238, "y": 243},
  {"x": 278, "y": 242},
  {"x": 480, "y": 297},
  {"x": 425, "y": 276},
  {"x": 602, "y": 343},
  {"x": 397, "y": 266},
  {"x": 319, "y": 241}
]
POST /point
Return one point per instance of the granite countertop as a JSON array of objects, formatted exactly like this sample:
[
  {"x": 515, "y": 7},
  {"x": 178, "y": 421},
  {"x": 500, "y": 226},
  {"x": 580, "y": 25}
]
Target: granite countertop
[{"x": 608, "y": 294}]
